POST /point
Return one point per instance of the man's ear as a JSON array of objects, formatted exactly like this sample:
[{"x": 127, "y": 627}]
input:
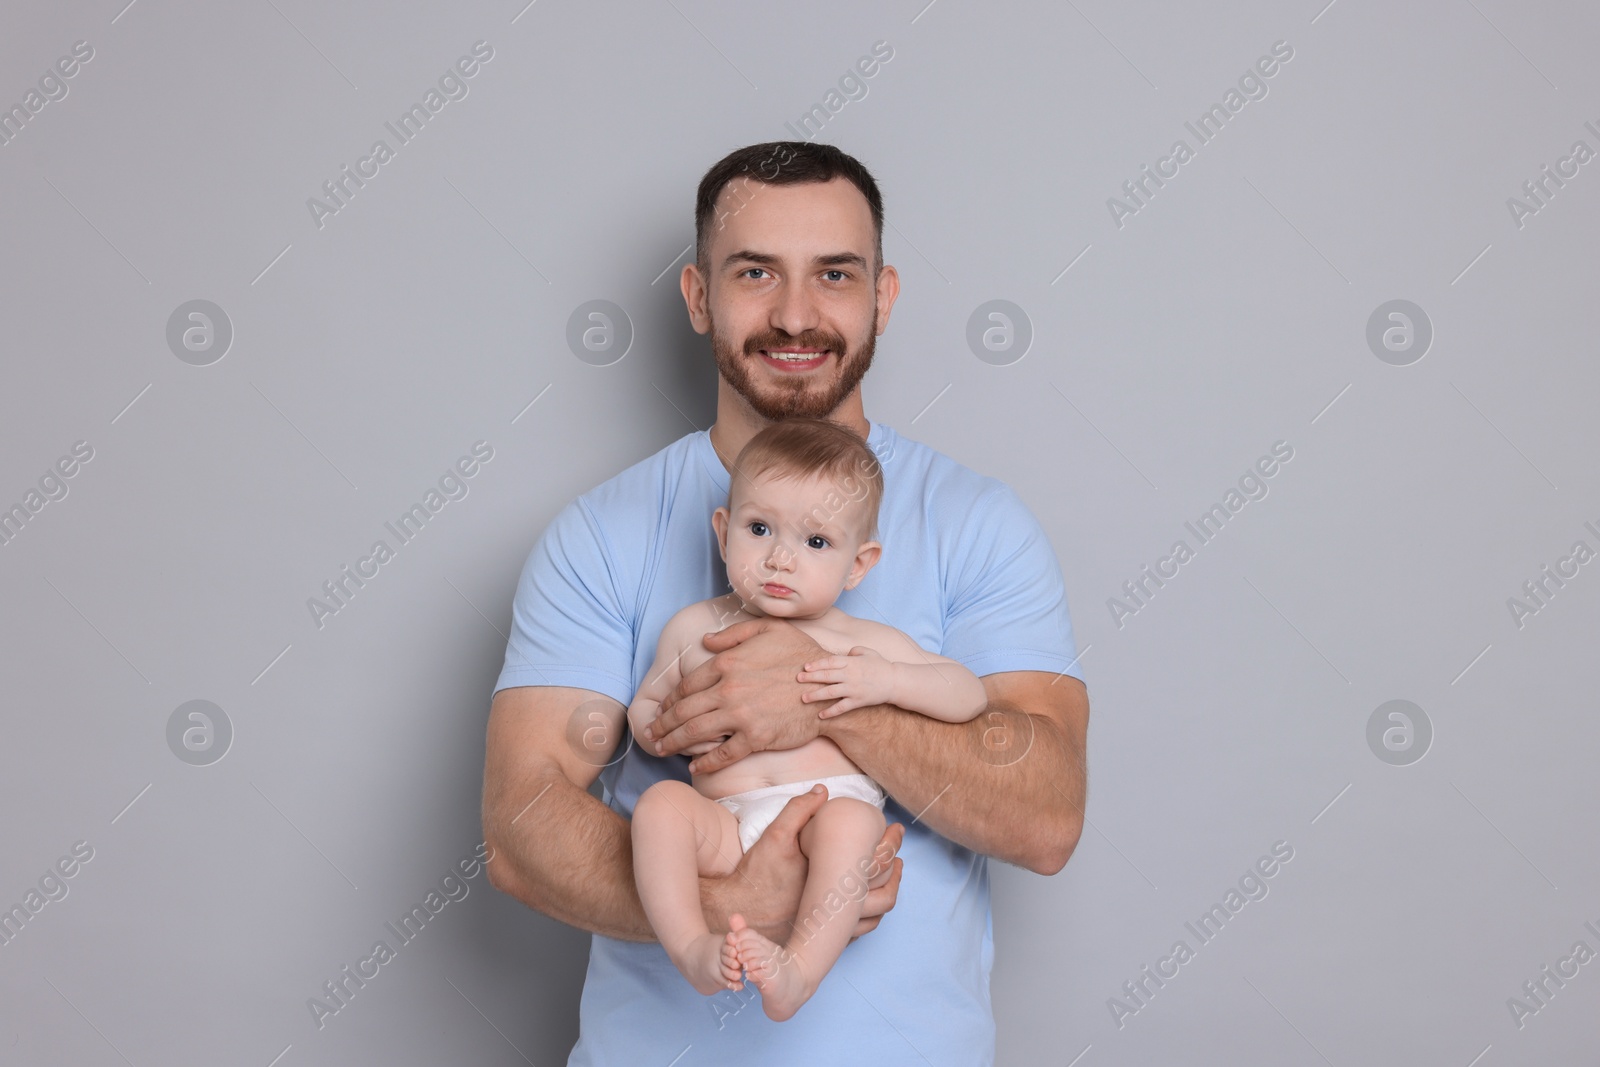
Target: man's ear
[
  {"x": 719, "y": 522},
  {"x": 867, "y": 557},
  {"x": 697, "y": 297},
  {"x": 886, "y": 291}
]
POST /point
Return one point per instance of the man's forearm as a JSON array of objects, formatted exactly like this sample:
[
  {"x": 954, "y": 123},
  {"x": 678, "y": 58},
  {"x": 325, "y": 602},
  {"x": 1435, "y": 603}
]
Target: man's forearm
[
  {"x": 1007, "y": 784},
  {"x": 570, "y": 857}
]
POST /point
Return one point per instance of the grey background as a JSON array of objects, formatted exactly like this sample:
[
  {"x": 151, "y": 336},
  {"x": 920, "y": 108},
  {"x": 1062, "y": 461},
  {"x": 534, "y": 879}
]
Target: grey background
[{"x": 1229, "y": 313}]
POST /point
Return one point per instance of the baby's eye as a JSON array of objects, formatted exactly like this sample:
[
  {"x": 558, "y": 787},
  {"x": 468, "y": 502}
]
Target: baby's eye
[
  {"x": 758, "y": 528},
  {"x": 817, "y": 537}
]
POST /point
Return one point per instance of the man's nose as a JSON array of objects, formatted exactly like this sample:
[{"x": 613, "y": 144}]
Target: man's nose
[{"x": 796, "y": 311}]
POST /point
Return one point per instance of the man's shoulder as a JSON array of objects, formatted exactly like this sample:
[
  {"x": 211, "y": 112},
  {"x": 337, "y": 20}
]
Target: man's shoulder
[
  {"x": 933, "y": 475},
  {"x": 637, "y": 490},
  {"x": 617, "y": 520}
]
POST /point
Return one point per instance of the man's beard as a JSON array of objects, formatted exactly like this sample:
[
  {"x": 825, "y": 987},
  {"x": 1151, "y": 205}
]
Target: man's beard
[{"x": 801, "y": 397}]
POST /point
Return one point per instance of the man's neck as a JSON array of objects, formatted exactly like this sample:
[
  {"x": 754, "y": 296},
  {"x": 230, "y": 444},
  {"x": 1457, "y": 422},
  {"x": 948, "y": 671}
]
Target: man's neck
[{"x": 737, "y": 422}]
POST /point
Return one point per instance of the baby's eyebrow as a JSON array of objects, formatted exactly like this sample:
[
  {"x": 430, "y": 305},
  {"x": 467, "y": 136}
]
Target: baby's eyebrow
[
  {"x": 751, "y": 511},
  {"x": 830, "y": 531}
]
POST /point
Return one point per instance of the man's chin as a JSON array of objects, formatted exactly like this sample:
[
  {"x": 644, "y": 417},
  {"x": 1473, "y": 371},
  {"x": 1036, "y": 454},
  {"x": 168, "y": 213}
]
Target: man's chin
[
  {"x": 775, "y": 394},
  {"x": 788, "y": 405}
]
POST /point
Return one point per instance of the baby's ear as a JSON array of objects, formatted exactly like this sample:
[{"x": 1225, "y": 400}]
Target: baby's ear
[
  {"x": 719, "y": 523},
  {"x": 867, "y": 557}
]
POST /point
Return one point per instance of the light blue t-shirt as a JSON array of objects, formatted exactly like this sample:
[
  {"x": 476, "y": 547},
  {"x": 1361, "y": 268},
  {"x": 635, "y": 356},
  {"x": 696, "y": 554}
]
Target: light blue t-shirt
[{"x": 967, "y": 572}]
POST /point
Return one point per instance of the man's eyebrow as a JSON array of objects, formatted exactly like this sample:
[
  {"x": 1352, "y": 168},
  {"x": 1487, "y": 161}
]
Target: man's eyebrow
[
  {"x": 764, "y": 258},
  {"x": 842, "y": 258},
  {"x": 767, "y": 259}
]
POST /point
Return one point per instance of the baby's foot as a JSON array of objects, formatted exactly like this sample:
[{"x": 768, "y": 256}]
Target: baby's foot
[
  {"x": 774, "y": 969},
  {"x": 711, "y": 963},
  {"x": 732, "y": 969}
]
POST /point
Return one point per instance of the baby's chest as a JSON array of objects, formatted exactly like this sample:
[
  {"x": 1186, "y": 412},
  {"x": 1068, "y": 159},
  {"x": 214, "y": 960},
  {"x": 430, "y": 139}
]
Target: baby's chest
[
  {"x": 832, "y": 639},
  {"x": 836, "y": 640}
]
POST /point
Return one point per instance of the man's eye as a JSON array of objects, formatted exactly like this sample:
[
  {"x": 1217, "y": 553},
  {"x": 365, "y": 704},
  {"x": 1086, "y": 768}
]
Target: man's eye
[
  {"x": 747, "y": 270},
  {"x": 817, "y": 537},
  {"x": 840, "y": 273}
]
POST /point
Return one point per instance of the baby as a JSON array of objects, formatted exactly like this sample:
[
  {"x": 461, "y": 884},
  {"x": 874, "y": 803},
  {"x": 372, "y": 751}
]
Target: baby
[{"x": 795, "y": 533}]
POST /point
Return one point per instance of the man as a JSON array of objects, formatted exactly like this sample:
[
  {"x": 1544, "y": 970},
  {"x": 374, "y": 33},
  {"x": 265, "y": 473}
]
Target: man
[{"x": 789, "y": 280}]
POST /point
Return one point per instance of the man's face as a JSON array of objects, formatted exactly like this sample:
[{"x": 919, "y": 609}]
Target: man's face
[
  {"x": 792, "y": 544},
  {"x": 792, "y": 302}
]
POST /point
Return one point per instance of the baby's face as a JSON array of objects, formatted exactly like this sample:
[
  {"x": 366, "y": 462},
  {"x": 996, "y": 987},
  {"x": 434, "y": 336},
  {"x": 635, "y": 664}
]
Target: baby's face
[{"x": 792, "y": 545}]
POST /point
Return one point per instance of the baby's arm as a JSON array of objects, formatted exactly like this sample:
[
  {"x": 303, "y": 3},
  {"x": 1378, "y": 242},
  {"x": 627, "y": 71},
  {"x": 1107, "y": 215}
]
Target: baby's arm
[
  {"x": 903, "y": 674},
  {"x": 665, "y": 673},
  {"x": 940, "y": 688}
]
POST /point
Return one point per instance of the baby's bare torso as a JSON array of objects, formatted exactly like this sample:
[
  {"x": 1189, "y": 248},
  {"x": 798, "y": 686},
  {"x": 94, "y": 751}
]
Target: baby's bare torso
[{"x": 837, "y": 632}]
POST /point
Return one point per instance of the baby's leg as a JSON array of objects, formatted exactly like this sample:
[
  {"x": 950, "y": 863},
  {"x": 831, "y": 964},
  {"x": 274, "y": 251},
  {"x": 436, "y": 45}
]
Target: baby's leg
[
  {"x": 840, "y": 835},
  {"x": 679, "y": 835}
]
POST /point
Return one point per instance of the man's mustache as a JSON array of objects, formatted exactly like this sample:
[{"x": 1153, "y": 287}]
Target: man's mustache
[{"x": 832, "y": 342}]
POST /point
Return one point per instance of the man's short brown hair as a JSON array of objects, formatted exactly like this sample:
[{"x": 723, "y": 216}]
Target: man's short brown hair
[{"x": 781, "y": 163}]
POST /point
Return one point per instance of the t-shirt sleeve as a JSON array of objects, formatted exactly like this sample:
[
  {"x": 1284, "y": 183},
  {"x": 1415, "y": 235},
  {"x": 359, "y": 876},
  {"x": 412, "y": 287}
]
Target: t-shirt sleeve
[
  {"x": 1008, "y": 607},
  {"x": 569, "y": 626}
]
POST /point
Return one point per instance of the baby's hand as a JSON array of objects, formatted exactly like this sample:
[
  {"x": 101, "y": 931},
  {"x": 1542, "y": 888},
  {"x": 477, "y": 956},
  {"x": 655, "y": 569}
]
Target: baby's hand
[
  {"x": 859, "y": 679},
  {"x": 700, "y": 748}
]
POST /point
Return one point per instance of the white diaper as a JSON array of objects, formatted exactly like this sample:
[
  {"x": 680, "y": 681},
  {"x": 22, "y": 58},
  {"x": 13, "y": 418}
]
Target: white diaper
[{"x": 756, "y": 808}]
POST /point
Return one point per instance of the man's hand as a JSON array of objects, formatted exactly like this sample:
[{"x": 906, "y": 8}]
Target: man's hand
[
  {"x": 748, "y": 690},
  {"x": 766, "y": 885},
  {"x": 858, "y": 679}
]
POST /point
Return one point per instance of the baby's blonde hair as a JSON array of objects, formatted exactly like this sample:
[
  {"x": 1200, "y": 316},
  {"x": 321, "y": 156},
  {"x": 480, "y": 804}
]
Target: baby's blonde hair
[{"x": 806, "y": 447}]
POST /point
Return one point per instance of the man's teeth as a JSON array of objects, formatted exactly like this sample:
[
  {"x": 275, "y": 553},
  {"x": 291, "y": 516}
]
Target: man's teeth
[{"x": 795, "y": 357}]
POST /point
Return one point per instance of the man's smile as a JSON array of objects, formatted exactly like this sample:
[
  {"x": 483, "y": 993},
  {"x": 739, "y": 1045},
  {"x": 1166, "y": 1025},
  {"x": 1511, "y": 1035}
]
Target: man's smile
[{"x": 794, "y": 359}]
